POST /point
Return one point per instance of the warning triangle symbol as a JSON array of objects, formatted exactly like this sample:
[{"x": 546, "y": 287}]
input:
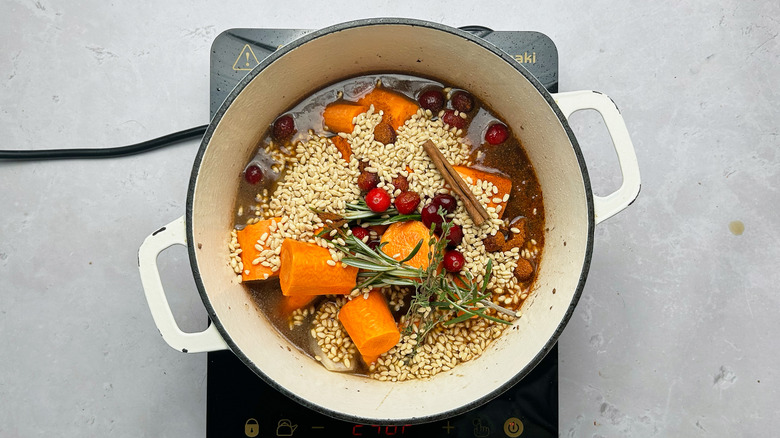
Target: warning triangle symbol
[{"x": 246, "y": 59}]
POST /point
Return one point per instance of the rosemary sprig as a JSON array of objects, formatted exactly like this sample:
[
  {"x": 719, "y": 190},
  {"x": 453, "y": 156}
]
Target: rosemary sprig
[
  {"x": 437, "y": 299},
  {"x": 359, "y": 211},
  {"x": 439, "y": 292}
]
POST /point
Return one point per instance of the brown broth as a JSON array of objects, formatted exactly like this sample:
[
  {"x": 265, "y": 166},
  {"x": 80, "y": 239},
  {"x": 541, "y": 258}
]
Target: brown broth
[{"x": 508, "y": 159}]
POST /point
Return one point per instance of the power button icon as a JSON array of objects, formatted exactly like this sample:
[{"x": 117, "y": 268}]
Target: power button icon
[{"x": 513, "y": 427}]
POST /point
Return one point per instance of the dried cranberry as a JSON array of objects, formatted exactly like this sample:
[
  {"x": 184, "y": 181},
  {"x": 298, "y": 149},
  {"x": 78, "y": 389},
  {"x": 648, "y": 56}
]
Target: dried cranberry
[
  {"x": 445, "y": 201},
  {"x": 384, "y": 133},
  {"x": 430, "y": 215},
  {"x": 454, "y": 261},
  {"x": 359, "y": 232},
  {"x": 454, "y": 235},
  {"x": 524, "y": 270},
  {"x": 432, "y": 99},
  {"x": 495, "y": 242},
  {"x": 496, "y": 133},
  {"x": 284, "y": 127},
  {"x": 367, "y": 180},
  {"x": 462, "y": 101},
  {"x": 253, "y": 174},
  {"x": 451, "y": 119},
  {"x": 378, "y": 200},
  {"x": 407, "y": 202},
  {"x": 373, "y": 244},
  {"x": 401, "y": 183}
]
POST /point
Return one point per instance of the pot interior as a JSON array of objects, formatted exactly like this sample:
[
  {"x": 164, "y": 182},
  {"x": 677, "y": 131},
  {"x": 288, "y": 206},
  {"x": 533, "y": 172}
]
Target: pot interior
[{"x": 419, "y": 49}]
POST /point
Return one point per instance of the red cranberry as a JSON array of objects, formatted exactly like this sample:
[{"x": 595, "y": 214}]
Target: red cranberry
[
  {"x": 284, "y": 127},
  {"x": 497, "y": 133},
  {"x": 455, "y": 235},
  {"x": 367, "y": 180},
  {"x": 253, "y": 174},
  {"x": 445, "y": 201},
  {"x": 451, "y": 119},
  {"x": 373, "y": 244},
  {"x": 407, "y": 202},
  {"x": 430, "y": 215},
  {"x": 378, "y": 200},
  {"x": 432, "y": 99},
  {"x": 359, "y": 232},
  {"x": 462, "y": 101},
  {"x": 401, "y": 183},
  {"x": 454, "y": 261}
]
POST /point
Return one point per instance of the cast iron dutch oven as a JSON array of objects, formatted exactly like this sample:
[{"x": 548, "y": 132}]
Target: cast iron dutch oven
[{"x": 418, "y": 48}]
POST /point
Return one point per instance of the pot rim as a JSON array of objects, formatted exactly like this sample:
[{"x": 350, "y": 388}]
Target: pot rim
[{"x": 363, "y": 23}]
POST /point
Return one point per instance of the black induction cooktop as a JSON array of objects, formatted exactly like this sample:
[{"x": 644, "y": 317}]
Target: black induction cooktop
[{"x": 241, "y": 404}]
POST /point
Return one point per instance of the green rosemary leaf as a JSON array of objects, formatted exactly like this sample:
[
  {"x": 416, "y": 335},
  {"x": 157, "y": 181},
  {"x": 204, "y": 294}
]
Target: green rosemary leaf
[
  {"x": 374, "y": 279},
  {"x": 359, "y": 215},
  {"x": 445, "y": 305},
  {"x": 390, "y": 220},
  {"x": 398, "y": 282},
  {"x": 365, "y": 264},
  {"x": 460, "y": 318},
  {"x": 343, "y": 249},
  {"x": 384, "y": 256},
  {"x": 360, "y": 246},
  {"x": 456, "y": 305},
  {"x": 493, "y": 318},
  {"x": 360, "y": 205},
  {"x": 407, "y": 272},
  {"x": 413, "y": 253},
  {"x": 488, "y": 271}
]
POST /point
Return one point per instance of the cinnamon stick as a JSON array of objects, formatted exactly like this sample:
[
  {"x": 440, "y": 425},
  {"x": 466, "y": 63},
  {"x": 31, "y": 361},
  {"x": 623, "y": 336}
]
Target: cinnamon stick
[{"x": 475, "y": 209}]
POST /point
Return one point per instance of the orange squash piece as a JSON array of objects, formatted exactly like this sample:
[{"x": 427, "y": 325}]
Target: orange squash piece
[
  {"x": 338, "y": 115},
  {"x": 305, "y": 270},
  {"x": 504, "y": 185},
  {"x": 343, "y": 146},
  {"x": 402, "y": 237},
  {"x": 396, "y": 107},
  {"x": 370, "y": 325},
  {"x": 247, "y": 239}
]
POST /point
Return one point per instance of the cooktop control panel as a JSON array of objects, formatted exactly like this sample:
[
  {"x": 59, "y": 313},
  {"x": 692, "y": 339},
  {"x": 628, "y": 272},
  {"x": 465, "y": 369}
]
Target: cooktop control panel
[{"x": 240, "y": 404}]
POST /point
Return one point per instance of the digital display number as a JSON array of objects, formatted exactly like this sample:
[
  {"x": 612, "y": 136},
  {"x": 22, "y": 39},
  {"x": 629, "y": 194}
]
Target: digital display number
[{"x": 366, "y": 430}]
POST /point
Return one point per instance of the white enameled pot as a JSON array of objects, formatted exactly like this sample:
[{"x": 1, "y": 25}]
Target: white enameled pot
[{"x": 418, "y": 48}]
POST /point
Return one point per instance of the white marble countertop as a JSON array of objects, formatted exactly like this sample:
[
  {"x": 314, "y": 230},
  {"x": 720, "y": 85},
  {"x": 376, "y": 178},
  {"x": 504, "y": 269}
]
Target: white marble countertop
[{"x": 676, "y": 331}]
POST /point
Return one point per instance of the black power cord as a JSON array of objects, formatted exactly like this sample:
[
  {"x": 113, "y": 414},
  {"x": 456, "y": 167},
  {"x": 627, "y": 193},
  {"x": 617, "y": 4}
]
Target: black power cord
[{"x": 64, "y": 154}]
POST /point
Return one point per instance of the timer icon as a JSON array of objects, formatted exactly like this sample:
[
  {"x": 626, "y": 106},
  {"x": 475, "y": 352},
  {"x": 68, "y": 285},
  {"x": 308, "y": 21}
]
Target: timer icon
[{"x": 513, "y": 427}]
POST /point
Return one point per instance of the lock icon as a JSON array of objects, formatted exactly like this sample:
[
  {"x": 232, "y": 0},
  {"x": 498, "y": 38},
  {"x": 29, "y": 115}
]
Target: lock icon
[{"x": 251, "y": 428}]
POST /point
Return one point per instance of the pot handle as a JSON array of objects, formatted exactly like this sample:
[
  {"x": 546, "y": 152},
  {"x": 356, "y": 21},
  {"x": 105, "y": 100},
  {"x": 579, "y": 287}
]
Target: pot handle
[
  {"x": 172, "y": 234},
  {"x": 608, "y": 206}
]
